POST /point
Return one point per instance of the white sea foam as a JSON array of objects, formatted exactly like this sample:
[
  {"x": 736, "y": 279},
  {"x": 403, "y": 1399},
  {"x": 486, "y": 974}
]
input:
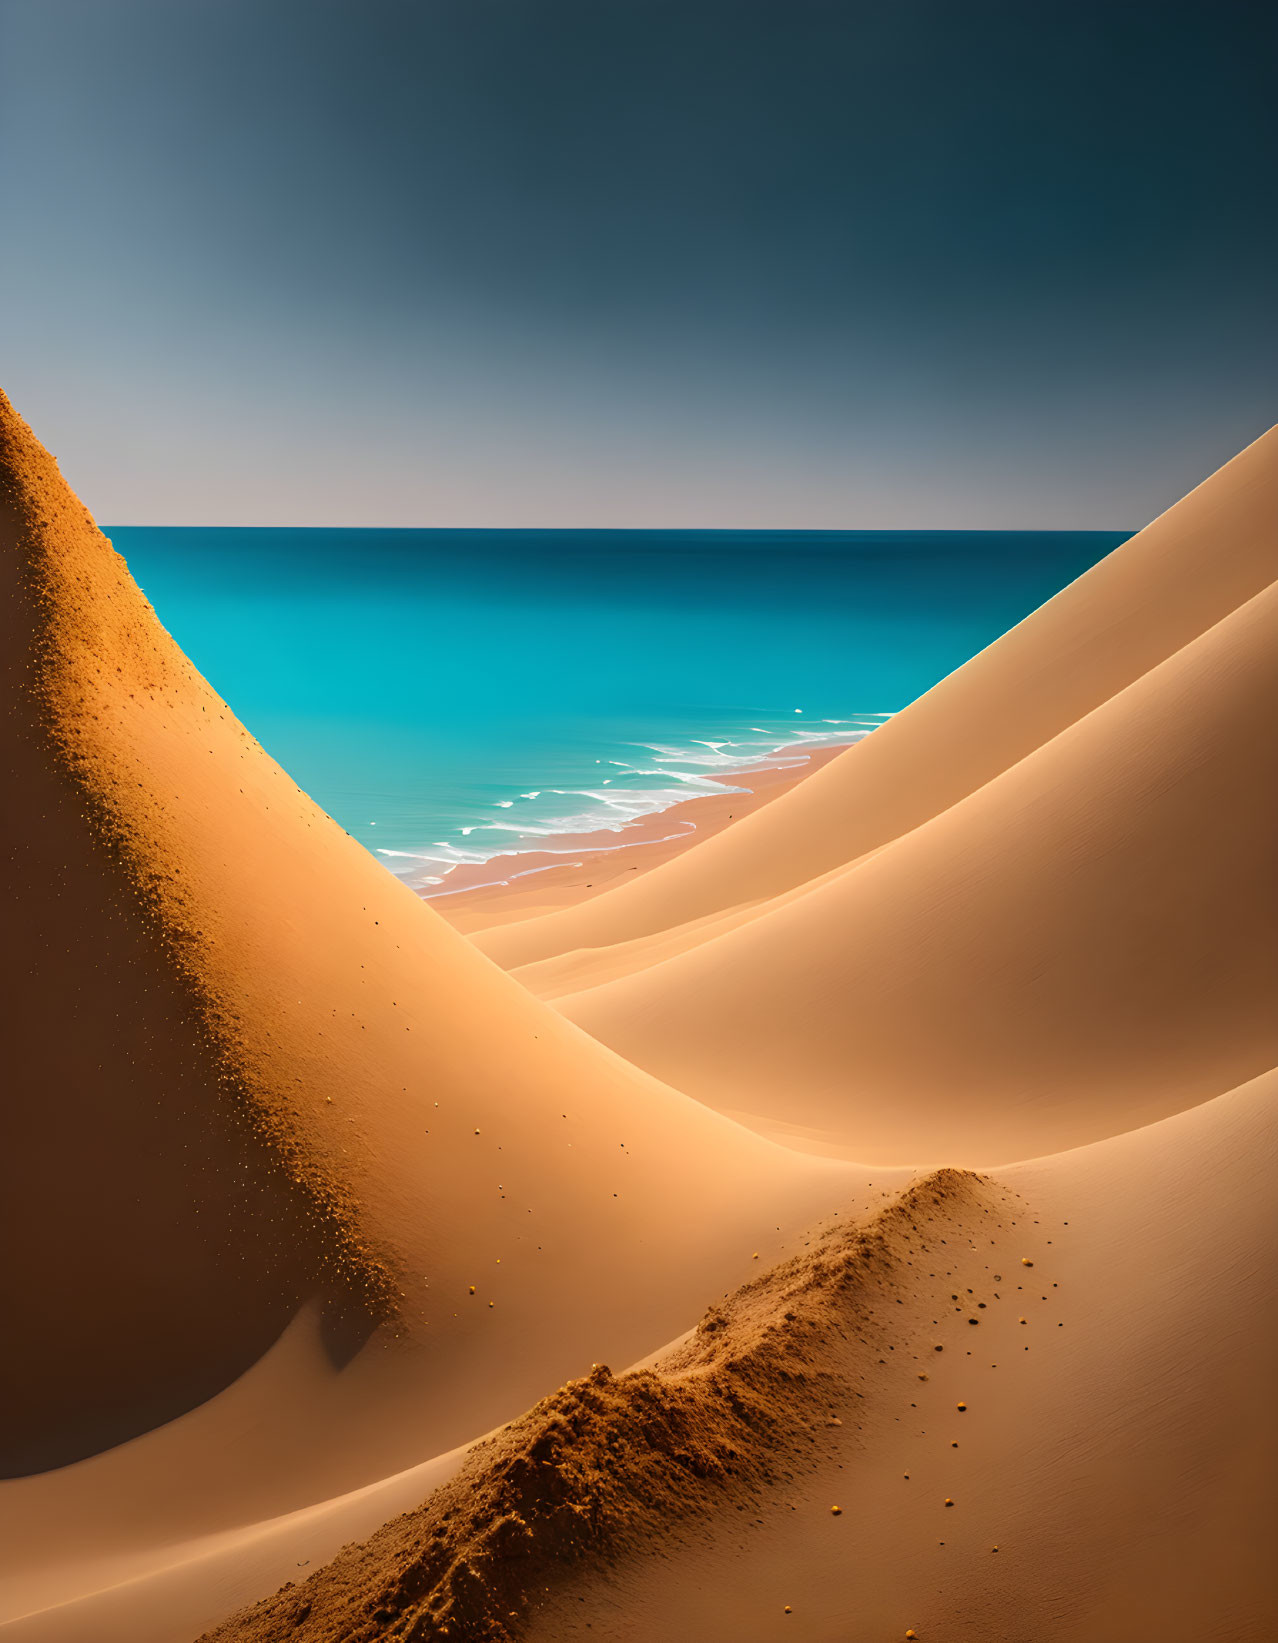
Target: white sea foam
[{"x": 664, "y": 774}]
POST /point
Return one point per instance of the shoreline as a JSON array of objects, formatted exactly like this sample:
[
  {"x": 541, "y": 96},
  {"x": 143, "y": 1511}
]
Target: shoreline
[{"x": 577, "y": 867}]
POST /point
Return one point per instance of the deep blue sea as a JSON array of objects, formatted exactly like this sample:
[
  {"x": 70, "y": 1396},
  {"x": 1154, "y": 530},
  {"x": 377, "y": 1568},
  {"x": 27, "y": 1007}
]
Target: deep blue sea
[{"x": 449, "y": 695}]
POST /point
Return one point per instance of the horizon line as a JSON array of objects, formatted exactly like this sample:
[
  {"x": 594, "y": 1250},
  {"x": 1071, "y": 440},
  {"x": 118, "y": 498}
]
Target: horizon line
[{"x": 665, "y": 530}]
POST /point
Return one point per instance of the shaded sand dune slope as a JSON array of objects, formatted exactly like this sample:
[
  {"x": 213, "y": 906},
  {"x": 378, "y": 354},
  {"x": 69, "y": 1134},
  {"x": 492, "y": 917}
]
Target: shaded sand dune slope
[
  {"x": 1179, "y": 576},
  {"x": 128, "y": 1184},
  {"x": 1085, "y": 944},
  {"x": 1042, "y": 1403},
  {"x": 248, "y": 1067}
]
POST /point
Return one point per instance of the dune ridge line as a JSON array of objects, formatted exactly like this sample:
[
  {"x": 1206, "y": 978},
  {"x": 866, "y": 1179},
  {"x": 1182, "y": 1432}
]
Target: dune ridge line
[{"x": 597, "y": 1468}]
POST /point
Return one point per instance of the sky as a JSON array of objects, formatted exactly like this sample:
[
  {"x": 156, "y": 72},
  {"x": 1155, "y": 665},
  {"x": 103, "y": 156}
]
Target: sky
[{"x": 686, "y": 263}]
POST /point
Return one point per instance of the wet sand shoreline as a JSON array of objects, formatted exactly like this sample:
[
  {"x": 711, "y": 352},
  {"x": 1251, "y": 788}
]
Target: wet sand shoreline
[{"x": 579, "y": 866}]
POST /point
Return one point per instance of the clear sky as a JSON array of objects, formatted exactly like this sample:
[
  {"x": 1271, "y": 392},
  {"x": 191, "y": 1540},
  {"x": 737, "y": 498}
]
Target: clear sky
[{"x": 914, "y": 263}]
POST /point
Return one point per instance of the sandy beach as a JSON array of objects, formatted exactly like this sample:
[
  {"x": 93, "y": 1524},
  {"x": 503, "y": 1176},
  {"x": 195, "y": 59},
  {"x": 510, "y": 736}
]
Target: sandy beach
[
  {"x": 576, "y": 866},
  {"x": 857, "y": 1225}
]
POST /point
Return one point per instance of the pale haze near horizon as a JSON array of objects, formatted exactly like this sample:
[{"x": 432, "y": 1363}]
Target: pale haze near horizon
[{"x": 757, "y": 265}]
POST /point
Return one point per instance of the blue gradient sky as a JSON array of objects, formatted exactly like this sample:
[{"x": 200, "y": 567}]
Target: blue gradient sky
[{"x": 920, "y": 263}]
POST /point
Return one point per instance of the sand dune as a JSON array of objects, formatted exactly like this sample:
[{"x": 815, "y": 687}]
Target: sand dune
[
  {"x": 310, "y": 1195},
  {"x": 945, "y": 1374},
  {"x": 1083, "y": 945},
  {"x": 1121, "y": 1465},
  {"x": 178, "y": 1590},
  {"x": 252, "y": 1069},
  {"x": 607, "y": 1464},
  {"x": 1179, "y": 576}
]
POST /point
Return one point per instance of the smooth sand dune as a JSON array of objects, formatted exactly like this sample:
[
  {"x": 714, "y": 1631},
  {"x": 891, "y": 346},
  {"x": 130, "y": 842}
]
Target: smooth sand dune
[
  {"x": 247, "y": 1068},
  {"x": 589, "y": 967},
  {"x": 178, "y": 1590},
  {"x": 1172, "y": 581},
  {"x": 1084, "y": 945},
  {"x": 1042, "y": 1403}
]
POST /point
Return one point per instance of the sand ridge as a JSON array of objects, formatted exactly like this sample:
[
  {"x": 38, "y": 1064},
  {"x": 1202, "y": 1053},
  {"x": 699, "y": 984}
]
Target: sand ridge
[
  {"x": 600, "y": 1468},
  {"x": 1108, "y": 1469},
  {"x": 1060, "y": 931}
]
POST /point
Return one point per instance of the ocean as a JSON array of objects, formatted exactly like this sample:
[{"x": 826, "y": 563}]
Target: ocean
[{"x": 449, "y": 695}]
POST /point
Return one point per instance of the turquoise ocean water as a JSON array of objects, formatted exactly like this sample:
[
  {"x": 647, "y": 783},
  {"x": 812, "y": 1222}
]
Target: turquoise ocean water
[{"x": 450, "y": 695}]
